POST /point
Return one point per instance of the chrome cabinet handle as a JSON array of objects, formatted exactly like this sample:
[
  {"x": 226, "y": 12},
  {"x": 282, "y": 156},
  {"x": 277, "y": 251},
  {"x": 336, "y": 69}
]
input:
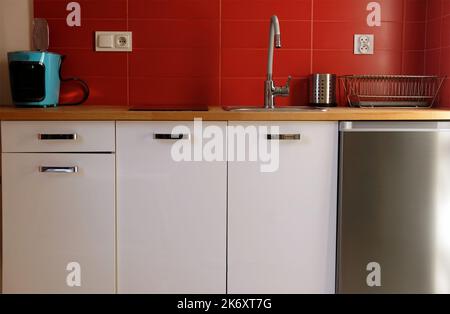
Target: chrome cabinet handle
[
  {"x": 48, "y": 169},
  {"x": 284, "y": 137},
  {"x": 47, "y": 137},
  {"x": 169, "y": 136}
]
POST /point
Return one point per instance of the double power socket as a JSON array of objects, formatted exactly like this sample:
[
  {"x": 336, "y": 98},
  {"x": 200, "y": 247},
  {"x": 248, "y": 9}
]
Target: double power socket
[{"x": 364, "y": 44}]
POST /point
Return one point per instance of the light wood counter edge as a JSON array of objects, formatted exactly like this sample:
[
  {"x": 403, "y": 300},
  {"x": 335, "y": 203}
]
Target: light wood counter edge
[{"x": 103, "y": 113}]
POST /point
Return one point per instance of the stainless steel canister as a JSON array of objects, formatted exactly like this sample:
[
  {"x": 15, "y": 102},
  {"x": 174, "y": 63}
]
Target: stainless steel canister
[{"x": 323, "y": 90}]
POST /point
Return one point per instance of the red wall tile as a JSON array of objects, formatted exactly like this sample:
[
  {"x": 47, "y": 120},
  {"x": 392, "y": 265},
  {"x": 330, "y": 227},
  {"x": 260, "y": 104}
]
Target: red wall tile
[
  {"x": 174, "y": 33},
  {"x": 255, "y": 34},
  {"x": 445, "y": 61},
  {"x": 215, "y": 51},
  {"x": 173, "y": 9},
  {"x": 434, "y": 9},
  {"x": 445, "y": 94},
  {"x": 446, "y": 7},
  {"x": 413, "y": 62},
  {"x": 90, "y": 9},
  {"x": 103, "y": 90},
  {"x": 344, "y": 62},
  {"x": 437, "y": 55},
  {"x": 433, "y": 34},
  {"x": 185, "y": 62},
  {"x": 414, "y": 36},
  {"x": 173, "y": 91},
  {"x": 62, "y": 35},
  {"x": 86, "y": 62},
  {"x": 445, "y": 36},
  {"x": 432, "y": 62},
  {"x": 253, "y": 63},
  {"x": 355, "y": 10},
  {"x": 339, "y": 35},
  {"x": 263, "y": 9},
  {"x": 415, "y": 10}
]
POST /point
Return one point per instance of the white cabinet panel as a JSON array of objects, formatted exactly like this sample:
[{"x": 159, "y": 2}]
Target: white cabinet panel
[
  {"x": 53, "y": 219},
  {"x": 171, "y": 215},
  {"x": 282, "y": 224}
]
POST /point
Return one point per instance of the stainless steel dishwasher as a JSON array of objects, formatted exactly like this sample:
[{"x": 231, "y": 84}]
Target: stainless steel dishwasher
[{"x": 394, "y": 207}]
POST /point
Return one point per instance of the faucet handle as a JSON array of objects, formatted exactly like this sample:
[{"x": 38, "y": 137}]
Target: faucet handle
[
  {"x": 284, "y": 91},
  {"x": 288, "y": 82}
]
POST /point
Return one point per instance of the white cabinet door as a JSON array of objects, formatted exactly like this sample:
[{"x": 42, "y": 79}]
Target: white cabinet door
[
  {"x": 52, "y": 219},
  {"x": 171, "y": 215},
  {"x": 282, "y": 224}
]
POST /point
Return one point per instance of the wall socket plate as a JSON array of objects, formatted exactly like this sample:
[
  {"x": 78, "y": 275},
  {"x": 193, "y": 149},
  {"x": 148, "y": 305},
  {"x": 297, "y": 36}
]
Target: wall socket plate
[
  {"x": 364, "y": 44},
  {"x": 113, "y": 41}
]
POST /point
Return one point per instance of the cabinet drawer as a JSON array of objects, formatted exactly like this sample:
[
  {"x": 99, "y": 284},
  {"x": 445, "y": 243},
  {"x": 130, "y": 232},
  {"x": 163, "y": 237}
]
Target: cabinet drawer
[{"x": 58, "y": 136}]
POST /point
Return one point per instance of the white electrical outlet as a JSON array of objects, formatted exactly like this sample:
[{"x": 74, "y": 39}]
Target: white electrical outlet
[
  {"x": 113, "y": 41},
  {"x": 364, "y": 44}
]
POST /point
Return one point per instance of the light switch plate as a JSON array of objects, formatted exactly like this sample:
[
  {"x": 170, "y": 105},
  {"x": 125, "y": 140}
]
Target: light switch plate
[
  {"x": 113, "y": 41},
  {"x": 364, "y": 44}
]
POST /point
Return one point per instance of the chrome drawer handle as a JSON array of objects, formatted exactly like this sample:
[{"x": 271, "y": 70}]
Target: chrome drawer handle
[
  {"x": 47, "y": 169},
  {"x": 169, "y": 136},
  {"x": 284, "y": 137},
  {"x": 49, "y": 137}
]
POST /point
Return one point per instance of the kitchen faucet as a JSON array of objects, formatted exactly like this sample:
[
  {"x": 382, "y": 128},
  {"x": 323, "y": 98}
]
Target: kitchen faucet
[{"x": 270, "y": 90}]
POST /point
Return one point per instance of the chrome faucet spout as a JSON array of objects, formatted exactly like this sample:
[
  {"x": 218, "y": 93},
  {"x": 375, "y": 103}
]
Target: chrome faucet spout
[
  {"x": 274, "y": 40},
  {"x": 270, "y": 90}
]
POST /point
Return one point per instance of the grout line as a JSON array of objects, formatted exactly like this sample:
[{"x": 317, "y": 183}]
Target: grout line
[
  {"x": 128, "y": 62},
  {"x": 220, "y": 53},
  {"x": 441, "y": 50},
  {"x": 425, "y": 39},
  {"x": 440, "y": 38},
  {"x": 312, "y": 39},
  {"x": 403, "y": 36}
]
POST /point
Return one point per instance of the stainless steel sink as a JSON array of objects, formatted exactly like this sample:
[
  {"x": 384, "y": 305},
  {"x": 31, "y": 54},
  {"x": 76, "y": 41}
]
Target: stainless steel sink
[{"x": 277, "y": 109}]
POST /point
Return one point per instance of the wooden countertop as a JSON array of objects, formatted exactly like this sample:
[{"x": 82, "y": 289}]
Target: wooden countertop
[{"x": 217, "y": 114}]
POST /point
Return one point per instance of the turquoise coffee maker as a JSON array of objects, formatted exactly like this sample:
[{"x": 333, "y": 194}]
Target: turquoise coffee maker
[{"x": 35, "y": 76}]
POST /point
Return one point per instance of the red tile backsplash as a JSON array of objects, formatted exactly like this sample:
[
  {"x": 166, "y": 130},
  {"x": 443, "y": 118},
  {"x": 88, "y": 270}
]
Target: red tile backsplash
[
  {"x": 263, "y": 9},
  {"x": 415, "y": 10},
  {"x": 437, "y": 53},
  {"x": 255, "y": 34},
  {"x": 355, "y": 10},
  {"x": 214, "y": 52},
  {"x": 173, "y": 91},
  {"x": 103, "y": 90},
  {"x": 413, "y": 62},
  {"x": 383, "y": 62},
  {"x": 173, "y": 9}
]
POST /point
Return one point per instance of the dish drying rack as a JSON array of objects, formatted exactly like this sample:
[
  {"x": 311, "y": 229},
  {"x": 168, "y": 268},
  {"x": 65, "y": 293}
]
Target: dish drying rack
[{"x": 391, "y": 90}]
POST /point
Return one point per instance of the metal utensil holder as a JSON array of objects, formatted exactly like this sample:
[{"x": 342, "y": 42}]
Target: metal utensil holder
[
  {"x": 391, "y": 90},
  {"x": 322, "y": 90}
]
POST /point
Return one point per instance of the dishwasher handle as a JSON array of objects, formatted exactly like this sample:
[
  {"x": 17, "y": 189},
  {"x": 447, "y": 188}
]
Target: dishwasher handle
[{"x": 394, "y": 126}]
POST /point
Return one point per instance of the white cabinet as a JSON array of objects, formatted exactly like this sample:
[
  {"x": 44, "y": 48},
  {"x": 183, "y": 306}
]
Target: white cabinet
[
  {"x": 282, "y": 224},
  {"x": 58, "y": 206},
  {"x": 171, "y": 215},
  {"x": 58, "y": 209}
]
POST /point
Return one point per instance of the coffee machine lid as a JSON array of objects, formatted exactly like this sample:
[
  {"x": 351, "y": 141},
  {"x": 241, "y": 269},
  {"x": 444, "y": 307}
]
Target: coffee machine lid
[{"x": 40, "y": 34}]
